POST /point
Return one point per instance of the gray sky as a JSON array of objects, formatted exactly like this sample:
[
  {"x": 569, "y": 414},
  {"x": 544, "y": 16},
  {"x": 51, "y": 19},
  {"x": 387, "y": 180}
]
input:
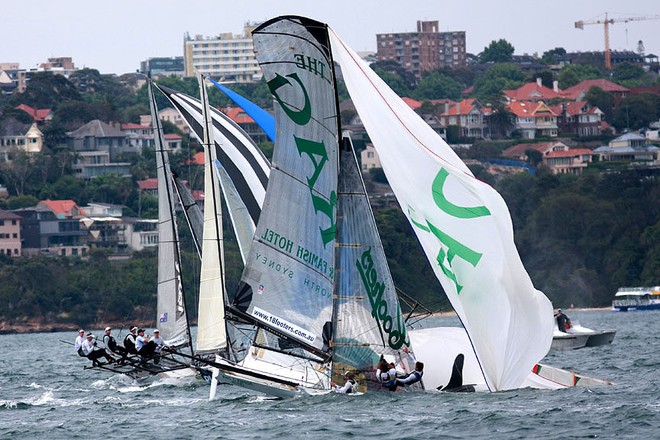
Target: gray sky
[{"x": 113, "y": 36}]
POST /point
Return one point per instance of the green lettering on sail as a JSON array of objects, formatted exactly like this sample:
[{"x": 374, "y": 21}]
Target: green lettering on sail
[
  {"x": 451, "y": 247},
  {"x": 317, "y": 154},
  {"x": 448, "y": 207},
  {"x": 379, "y": 310},
  {"x": 300, "y": 117}
]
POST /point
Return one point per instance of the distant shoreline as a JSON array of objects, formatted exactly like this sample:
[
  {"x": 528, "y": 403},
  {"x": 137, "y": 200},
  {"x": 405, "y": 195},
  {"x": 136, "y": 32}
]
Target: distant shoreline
[{"x": 31, "y": 327}]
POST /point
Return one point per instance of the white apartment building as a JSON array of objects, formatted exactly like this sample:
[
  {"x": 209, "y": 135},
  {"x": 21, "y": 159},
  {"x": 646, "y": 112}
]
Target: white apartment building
[{"x": 226, "y": 57}]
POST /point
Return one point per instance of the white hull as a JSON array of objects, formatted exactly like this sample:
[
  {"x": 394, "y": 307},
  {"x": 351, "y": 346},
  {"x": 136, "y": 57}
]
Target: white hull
[
  {"x": 580, "y": 337},
  {"x": 274, "y": 374},
  {"x": 438, "y": 347}
]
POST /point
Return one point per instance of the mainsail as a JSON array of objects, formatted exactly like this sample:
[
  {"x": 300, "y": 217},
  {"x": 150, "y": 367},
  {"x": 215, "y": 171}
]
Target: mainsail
[
  {"x": 171, "y": 313},
  {"x": 287, "y": 284},
  {"x": 211, "y": 329},
  {"x": 463, "y": 226},
  {"x": 369, "y": 323}
]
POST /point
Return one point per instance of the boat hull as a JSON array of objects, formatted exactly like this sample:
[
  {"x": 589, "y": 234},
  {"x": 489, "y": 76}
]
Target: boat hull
[
  {"x": 640, "y": 307},
  {"x": 569, "y": 342},
  {"x": 602, "y": 337}
]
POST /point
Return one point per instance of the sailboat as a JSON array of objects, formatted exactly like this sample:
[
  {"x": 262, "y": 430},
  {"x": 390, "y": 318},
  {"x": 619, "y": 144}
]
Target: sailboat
[{"x": 171, "y": 311}]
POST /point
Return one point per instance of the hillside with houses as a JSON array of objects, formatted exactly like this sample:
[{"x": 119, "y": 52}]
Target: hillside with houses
[{"x": 573, "y": 148}]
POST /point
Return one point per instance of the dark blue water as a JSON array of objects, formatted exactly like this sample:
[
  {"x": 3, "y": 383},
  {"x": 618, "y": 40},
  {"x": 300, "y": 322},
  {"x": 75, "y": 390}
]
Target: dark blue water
[{"x": 45, "y": 393}]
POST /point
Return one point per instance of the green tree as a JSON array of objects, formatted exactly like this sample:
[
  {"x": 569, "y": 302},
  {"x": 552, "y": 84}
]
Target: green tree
[
  {"x": 500, "y": 121},
  {"x": 24, "y": 201},
  {"x": 550, "y": 56},
  {"x": 601, "y": 99},
  {"x": 435, "y": 85},
  {"x": 47, "y": 90},
  {"x": 630, "y": 75},
  {"x": 500, "y": 51},
  {"x": 636, "y": 111},
  {"x": 488, "y": 88},
  {"x": 573, "y": 74}
]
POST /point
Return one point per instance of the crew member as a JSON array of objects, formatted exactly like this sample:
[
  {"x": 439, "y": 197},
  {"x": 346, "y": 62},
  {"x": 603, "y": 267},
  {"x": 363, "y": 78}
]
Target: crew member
[
  {"x": 93, "y": 352},
  {"x": 349, "y": 387},
  {"x": 129, "y": 341},
  {"x": 160, "y": 343},
  {"x": 143, "y": 345},
  {"x": 79, "y": 341},
  {"x": 386, "y": 375},
  {"x": 416, "y": 374},
  {"x": 111, "y": 344}
]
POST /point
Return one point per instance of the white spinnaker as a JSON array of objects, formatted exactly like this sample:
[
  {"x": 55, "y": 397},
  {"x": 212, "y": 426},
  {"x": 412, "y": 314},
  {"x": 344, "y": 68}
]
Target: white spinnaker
[
  {"x": 463, "y": 226},
  {"x": 211, "y": 330}
]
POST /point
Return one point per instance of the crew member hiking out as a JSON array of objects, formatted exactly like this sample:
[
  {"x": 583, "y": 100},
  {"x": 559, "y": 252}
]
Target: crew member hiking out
[
  {"x": 416, "y": 375},
  {"x": 386, "y": 374},
  {"x": 93, "y": 351}
]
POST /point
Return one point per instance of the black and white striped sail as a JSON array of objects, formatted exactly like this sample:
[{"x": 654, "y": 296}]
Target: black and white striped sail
[
  {"x": 241, "y": 158},
  {"x": 287, "y": 284},
  {"x": 171, "y": 315}
]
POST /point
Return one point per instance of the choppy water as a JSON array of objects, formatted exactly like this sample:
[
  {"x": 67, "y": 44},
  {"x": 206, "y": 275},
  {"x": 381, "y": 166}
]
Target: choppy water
[{"x": 45, "y": 393}]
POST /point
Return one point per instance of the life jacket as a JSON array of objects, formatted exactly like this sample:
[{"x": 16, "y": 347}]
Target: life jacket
[
  {"x": 111, "y": 344},
  {"x": 387, "y": 380},
  {"x": 353, "y": 387},
  {"x": 129, "y": 343}
]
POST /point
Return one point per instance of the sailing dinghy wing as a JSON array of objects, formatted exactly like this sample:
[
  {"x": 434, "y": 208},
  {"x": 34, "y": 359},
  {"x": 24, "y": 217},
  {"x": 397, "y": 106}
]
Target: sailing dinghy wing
[
  {"x": 172, "y": 319},
  {"x": 463, "y": 226},
  {"x": 287, "y": 284}
]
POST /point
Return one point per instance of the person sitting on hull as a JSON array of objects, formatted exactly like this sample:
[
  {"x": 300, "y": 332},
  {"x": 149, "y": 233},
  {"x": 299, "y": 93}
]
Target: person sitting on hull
[
  {"x": 144, "y": 346},
  {"x": 386, "y": 374},
  {"x": 111, "y": 345},
  {"x": 129, "y": 342},
  {"x": 79, "y": 342},
  {"x": 416, "y": 375},
  {"x": 349, "y": 387},
  {"x": 159, "y": 344},
  {"x": 93, "y": 351}
]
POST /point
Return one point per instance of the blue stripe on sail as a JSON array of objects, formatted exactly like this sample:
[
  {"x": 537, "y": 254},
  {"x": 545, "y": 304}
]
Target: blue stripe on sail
[{"x": 263, "y": 119}]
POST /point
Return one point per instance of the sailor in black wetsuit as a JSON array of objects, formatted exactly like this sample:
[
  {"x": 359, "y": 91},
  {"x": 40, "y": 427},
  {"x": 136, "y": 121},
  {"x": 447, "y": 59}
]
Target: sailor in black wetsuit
[{"x": 562, "y": 321}]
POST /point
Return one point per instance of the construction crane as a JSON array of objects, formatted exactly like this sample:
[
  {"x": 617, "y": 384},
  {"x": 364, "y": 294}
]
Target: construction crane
[{"x": 606, "y": 24}]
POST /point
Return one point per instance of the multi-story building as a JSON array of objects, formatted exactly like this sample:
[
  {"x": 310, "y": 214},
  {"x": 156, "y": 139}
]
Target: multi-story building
[
  {"x": 162, "y": 66},
  {"x": 10, "y": 234},
  {"x": 226, "y": 57},
  {"x": 425, "y": 50},
  {"x": 369, "y": 158},
  {"x": 47, "y": 230},
  {"x": 469, "y": 115},
  {"x": 579, "y": 117},
  {"x": 16, "y": 136},
  {"x": 534, "y": 119}
]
